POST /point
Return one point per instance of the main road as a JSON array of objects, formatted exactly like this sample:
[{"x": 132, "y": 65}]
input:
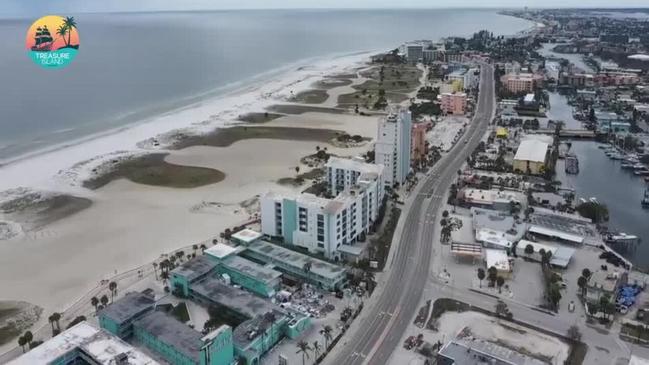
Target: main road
[{"x": 377, "y": 331}]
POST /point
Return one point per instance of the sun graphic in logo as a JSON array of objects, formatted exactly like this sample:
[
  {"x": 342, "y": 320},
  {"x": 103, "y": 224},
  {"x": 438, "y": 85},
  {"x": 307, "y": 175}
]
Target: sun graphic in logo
[{"x": 53, "y": 41}]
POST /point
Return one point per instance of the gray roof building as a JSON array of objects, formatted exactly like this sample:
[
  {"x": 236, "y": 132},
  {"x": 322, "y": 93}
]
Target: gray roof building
[
  {"x": 128, "y": 307},
  {"x": 172, "y": 332},
  {"x": 195, "y": 268},
  {"x": 244, "y": 303},
  {"x": 479, "y": 352}
]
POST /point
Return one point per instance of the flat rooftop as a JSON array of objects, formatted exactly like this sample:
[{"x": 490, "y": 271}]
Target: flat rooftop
[
  {"x": 228, "y": 296},
  {"x": 101, "y": 346},
  {"x": 252, "y": 269},
  {"x": 195, "y": 268},
  {"x": 353, "y": 164},
  {"x": 129, "y": 306},
  {"x": 296, "y": 259},
  {"x": 173, "y": 333},
  {"x": 480, "y": 352},
  {"x": 491, "y": 219},
  {"x": 221, "y": 251},
  {"x": 247, "y": 235},
  {"x": 560, "y": 226},
  {"x": 491, "y": 196},
  {"x": 248, "y": 331}
]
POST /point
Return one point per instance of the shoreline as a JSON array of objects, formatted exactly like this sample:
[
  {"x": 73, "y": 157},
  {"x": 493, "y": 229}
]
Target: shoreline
[{"x": 203, "y": 115}]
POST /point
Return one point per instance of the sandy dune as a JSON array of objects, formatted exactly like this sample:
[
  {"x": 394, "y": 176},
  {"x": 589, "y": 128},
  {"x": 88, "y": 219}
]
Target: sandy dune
[{"x": 130, "y": 224}]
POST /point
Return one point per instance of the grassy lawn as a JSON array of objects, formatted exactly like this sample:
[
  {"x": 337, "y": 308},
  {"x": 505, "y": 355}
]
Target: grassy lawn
[
  {"x": 311, "y": 97},
  {"x": 332, "y": 82},
  {"x": 180, "y": 312},
  {"x": 301, "y": 109},
  {"x": 384, "y": 241},
  {"x": 299, "y": 179},
  {"x": 398, "y": 81},
  {"x": 152, "y": 169}
]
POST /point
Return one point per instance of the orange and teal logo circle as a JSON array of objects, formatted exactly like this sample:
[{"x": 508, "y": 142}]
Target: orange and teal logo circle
[{"x": 53, "y": 41}]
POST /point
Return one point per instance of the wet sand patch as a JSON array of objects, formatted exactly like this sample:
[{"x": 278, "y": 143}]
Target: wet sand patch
[
  {"x": 33, "y": 210},
  {"x": 227, "y": 136},
  {"x": 152, "y": 169},
  {"x": 259, "y": 117}
]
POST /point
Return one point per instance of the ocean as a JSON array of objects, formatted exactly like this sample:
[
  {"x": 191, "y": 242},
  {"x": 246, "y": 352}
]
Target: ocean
[{"x": 132, "y": 66}]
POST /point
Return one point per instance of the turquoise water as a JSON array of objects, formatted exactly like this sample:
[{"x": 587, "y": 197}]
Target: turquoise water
[{"x": 135, "y": 65}]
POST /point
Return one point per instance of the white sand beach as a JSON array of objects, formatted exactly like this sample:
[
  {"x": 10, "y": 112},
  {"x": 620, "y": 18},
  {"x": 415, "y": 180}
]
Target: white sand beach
[{"x": 130, "y": 224}]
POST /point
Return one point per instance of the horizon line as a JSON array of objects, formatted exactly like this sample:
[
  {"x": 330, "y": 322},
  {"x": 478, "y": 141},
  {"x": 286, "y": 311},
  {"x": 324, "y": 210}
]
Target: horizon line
[{"x": 485, "y": 7}]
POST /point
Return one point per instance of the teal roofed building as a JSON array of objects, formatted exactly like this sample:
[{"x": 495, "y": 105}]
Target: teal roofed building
[
  {"x": 180, "y": 344},
  {"x": 259, "y": 279},
  {"x": 118, "y": 317},
  {"x": 190, "y": 272},
  {"x": 263, "y": 323},
  {"x": 314, "y": 271}
]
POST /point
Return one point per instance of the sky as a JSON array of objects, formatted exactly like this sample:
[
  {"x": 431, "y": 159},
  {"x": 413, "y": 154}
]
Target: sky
[{"x": 44, "y": 7}]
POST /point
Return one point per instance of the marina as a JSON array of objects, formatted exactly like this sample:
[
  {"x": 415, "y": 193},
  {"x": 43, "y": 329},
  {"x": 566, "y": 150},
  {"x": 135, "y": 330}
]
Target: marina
[{"x": 618, "y": 182}]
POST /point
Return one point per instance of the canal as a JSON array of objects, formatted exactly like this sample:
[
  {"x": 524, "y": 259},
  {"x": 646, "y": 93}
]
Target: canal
[{"x": 619, "y": 189}]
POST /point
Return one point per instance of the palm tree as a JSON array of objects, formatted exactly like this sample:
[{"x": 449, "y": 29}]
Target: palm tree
[
  {"x": 481, "y": 275},
  {"x": 180, "y": 255},
  {"x": 327, "y": 333},
  {"x": 112, "y": 286},
  {"x": 304, "y": 348},
  {"x": 29, "y": 337},
  {"x": 165, "y": 276},
  {"x": 69, "y": 24},
  {"x": 94, "y": 302},
  {"x": 529, "y": 249},
  {"x": 22, "y": 342},
  {"x": 316, "y": 349},
  {"x": 203, "y": 248},
  {"x": 56, "y": 317},
  {"x": 51, "y": 320},
  {"x": 307, "y": 267},
  {"x": 500, "y": 281},
  {"x": 581, "y": 282},
  {"x": 492, "y": 275},
  {"x": 62, "y": 31},
  {"x": 104, "y": 300}
]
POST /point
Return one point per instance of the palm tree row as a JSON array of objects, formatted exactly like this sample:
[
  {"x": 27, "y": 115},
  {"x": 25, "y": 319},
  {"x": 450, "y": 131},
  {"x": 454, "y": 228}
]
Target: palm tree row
[{"x": 26, "y": 339}]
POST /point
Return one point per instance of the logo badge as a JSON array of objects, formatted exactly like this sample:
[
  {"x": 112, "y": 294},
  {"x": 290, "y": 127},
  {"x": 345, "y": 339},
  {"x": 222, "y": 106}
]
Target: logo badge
[{"x": 53, "y": 41}]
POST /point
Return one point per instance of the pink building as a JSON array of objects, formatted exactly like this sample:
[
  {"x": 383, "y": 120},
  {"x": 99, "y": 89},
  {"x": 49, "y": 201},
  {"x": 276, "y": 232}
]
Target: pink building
[
  {"x": 523, "y": 82},
  {"x": 419, "y": 149},
  {"x": 453, "y": 103}
]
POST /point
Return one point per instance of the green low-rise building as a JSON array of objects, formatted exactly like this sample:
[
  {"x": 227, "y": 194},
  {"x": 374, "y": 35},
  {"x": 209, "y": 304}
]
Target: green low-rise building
[
  {"x": 180, "y": 344},
  {"x": 255, "y": 335},
  {"x": 318, "y": 272},
  {"x": 259, "y": 279},
  {"x": 118, "y": 317},
  {"x": 191, "y": 271}
]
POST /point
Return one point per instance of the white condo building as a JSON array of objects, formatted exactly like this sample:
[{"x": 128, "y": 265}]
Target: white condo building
[
  {"x": 328, "y": 226},
  {"x": 392, "y": 148}
]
